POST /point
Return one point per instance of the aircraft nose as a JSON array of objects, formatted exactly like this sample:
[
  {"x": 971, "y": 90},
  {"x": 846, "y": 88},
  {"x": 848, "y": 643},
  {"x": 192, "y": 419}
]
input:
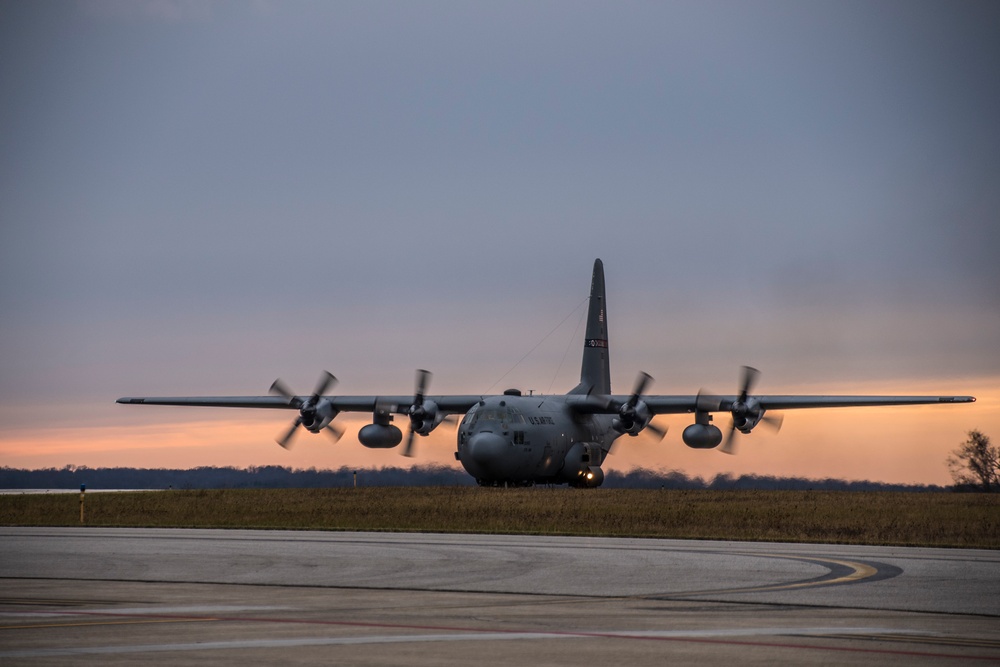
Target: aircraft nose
[{"x": 487, "y": 448}]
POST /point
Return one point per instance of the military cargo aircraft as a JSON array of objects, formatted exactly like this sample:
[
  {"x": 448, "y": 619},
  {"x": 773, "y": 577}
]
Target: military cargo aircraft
[{"x": 516, "y": 440}]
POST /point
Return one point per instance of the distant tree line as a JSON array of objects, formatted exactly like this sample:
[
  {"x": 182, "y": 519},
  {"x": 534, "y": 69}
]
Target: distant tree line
[
  {"x": 271, "y": 477},
  {"x": 641, "y": 478},
  {"x": 254, "y": 477}
]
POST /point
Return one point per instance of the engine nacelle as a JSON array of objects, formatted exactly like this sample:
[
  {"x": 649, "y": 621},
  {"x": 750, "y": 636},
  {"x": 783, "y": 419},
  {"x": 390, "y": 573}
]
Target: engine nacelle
[
  {"x": 746, "y": 415},
  {"x": 702, "y": 436},
  {"x": 745, "y": 424},
  {"x": 380, "y": 436},
  {"x": 317, "y": 417},
  {"x": 632, "y": 420},
  {"x": 426, "y": 418}
]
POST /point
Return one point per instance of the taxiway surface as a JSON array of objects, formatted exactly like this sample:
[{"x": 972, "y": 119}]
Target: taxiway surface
[{"x": 114, "y": 596}]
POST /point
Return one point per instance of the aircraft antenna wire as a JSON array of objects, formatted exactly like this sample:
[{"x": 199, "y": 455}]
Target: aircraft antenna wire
[
  {"x": 537, "y": 345},
  {"x": 569, "y": 344}
]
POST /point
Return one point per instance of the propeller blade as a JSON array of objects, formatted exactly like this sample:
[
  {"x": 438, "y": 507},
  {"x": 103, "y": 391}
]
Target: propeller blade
[
  {"x": 421, "y": 387},
  {"x": 408, "y": 449},
  {"x": 641, "y": 383},
  {"x": 729, "y": 444},
  {"x": 326, "y": 380},
  {"x": 286, "y": 439},
  {"x": 334, "y": 432},
  {"x": 280, "y": 389},
  {"x": 750, "y": 376},
  {"x": 451, "y": 420},
  {"x": 774, "y": 421},
  {"x": 416, "y": 411},
  {"x": 660, "y": 433}
]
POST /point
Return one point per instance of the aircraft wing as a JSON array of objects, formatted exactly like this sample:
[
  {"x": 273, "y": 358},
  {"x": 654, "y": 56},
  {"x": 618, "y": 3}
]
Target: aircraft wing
[
  {"x": 458, "y": 404},
  {"x": 399, "y": 404},
  {"x": 665, "y": 405},
  {"x": 680, "y": 404},
  {"x": 793, "y": 402}
]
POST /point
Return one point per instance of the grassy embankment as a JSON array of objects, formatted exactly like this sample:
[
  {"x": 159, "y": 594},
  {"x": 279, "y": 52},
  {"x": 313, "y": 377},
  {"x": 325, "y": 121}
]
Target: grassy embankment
[{"x": 935, "y": 519}]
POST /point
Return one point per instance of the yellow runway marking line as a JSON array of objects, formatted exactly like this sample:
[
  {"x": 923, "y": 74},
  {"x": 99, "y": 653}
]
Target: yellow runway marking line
[
  {"x": 859, "y": 572},
  {"x": 92, "y": 623}
]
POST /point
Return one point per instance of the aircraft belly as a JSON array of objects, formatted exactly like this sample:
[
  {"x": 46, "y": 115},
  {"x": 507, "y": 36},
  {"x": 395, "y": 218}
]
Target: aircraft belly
[{"x": 516, "y": 464}]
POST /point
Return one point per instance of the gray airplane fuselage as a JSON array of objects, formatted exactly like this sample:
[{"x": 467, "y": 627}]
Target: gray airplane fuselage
[{"x": 517, "y": 440}]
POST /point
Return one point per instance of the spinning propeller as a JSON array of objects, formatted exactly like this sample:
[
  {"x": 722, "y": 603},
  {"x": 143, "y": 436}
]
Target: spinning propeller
[
  {"x": 315, "y": 412},
  {"x": 634, "y": 414},
  {"x": 423, "y": 413},
  {"x": 418, "y": 412},
  {"x": 747, "y": 412}
]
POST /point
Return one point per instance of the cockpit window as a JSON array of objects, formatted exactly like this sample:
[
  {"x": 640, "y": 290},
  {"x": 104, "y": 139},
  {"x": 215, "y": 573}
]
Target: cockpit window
[
  {"x": 470, "y": 416},
  {"x": 504, "y": 415}
]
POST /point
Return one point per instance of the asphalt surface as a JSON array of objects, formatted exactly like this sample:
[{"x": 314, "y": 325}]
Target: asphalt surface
[{"x": 117, "y": 596}]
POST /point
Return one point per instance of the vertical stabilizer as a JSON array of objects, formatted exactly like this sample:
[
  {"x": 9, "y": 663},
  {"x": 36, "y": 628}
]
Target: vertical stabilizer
[{"x": 595, "y": 372}]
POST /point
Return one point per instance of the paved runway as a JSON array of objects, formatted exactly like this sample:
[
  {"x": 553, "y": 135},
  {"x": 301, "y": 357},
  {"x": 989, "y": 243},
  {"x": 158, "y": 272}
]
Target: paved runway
[{"x": 115, "y": 596}]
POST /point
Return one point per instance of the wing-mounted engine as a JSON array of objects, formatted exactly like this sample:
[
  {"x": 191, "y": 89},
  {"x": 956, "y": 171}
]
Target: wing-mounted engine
[
  {"x": 315, "y": 413},
  {"x": 747, "y": 412},
  {"x": 423, "y": 413},
  {"x": 380, "y": 434},
  {"x": 317, "y": 416},
  {"x": 634, "y": 415},
  {"x": 424, "y": 417}
]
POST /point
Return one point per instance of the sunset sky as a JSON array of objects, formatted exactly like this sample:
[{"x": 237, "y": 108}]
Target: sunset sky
[{"x": 197, "y": 197}]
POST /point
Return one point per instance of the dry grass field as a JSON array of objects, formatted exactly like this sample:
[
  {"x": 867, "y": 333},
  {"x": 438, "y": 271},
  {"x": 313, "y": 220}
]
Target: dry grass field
[{"x": 929, "y": 519}]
